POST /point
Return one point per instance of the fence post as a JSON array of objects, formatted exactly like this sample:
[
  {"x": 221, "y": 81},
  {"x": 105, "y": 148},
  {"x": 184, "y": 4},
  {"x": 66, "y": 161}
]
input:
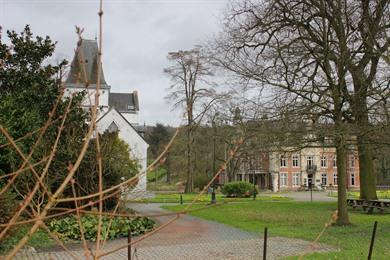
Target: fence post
[
  {"x": 181, "y": 198},
  {"x": 372, "y": 240},
  {"x": 265, "y": 243},
  {"x": 311, "y": 193},
  {"x": 129, "y": 245},
  {"x": 213, "y": 196}
]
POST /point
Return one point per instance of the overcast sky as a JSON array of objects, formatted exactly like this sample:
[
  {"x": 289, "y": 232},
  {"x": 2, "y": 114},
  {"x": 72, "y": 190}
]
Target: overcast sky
[{"x": 137, "y": 35}]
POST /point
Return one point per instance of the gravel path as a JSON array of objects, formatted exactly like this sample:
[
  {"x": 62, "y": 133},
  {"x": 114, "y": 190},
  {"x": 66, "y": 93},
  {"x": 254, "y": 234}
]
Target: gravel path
[
  {"x": 305, "y": 196},
  {"x": 193, "y": 238}
]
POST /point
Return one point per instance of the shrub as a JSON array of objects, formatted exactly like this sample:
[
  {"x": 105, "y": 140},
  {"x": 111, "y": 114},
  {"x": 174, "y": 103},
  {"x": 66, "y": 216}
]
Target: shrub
[
  {"x": 238, "y": 189},
  {"x": 7, "y": 206},
  {"x": 116, "y": 164},
  {"x": 201, "y": 181},
  {"x": 67, "y": 228},
  {"x": 156, "y": 174}
]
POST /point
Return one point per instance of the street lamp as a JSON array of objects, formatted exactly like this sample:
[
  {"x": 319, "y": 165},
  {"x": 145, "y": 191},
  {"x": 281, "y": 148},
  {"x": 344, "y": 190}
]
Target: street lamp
[
  {"x": 213, "y": 197},
  {"x": 254, "y": 187}
]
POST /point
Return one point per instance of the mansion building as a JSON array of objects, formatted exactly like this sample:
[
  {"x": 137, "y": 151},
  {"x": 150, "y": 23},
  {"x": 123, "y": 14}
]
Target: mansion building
[{"x": 278, "y": 171}]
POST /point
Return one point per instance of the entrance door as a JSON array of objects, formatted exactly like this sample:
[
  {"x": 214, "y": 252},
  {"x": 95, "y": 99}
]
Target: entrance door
[{"x": 263, "y": 182}]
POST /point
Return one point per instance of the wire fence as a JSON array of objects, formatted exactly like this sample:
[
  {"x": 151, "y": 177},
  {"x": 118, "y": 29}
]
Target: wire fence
[
  {"x": 232, "y": 242},
  {"x": 39, "y": 214}
]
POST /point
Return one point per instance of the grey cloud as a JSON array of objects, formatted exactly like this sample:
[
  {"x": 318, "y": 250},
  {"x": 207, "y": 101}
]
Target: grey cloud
[{"x": 137, "y": 37}]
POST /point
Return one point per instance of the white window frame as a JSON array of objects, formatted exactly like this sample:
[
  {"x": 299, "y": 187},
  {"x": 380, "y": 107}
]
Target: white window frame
[
  {"x": 283, "y": 161},
  {"x": 324, "y": 161},
  {"x": 334, "y": 162},
  {"x": 283, "y": 179},
  {"x": 295, "y": 161},
  {"x": 296, "y": 179},
  {"x": 310, "y": 158},
  {"x": 353, "y": 179},
  {"x": 351, "y": 161},
  {"x": 324, "y": 176},
  {"x": 335, "y": 179}
]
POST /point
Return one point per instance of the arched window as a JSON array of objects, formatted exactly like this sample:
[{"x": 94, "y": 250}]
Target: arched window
[{"x": 113, "y": 127}]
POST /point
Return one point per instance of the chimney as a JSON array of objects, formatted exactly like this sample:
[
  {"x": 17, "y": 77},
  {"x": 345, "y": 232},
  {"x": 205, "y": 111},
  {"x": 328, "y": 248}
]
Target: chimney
[{"x": 135, "y": 99}]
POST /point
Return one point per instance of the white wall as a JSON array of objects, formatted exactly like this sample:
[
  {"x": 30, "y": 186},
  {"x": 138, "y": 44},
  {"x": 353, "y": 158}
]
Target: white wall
[
  {"x": 90, "y": 97},
  {"x": 317, "y": 153},
  {"x": 132, "y": 118},
  {"x": 128, "y": 134}
]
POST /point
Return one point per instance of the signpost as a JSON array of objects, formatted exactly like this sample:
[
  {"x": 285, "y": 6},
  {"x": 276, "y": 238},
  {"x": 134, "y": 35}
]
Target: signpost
[{"x": 310, "y": 182}]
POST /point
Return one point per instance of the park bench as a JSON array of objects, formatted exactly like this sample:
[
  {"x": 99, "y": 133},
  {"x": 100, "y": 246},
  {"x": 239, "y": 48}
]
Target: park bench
[
  {"x": 355, "y": 202},
  {"x": 369, "y": 205}
]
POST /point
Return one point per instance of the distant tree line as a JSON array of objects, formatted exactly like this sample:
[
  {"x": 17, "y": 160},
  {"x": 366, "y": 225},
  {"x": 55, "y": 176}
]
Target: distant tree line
[{"x": 320, "y": 63}]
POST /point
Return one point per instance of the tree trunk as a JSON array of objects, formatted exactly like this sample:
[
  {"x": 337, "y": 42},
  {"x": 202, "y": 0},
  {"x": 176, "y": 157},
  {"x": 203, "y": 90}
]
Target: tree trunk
[
  {"x": 366, "y": 163},
  {"x": 367, "y": 173},
  {"x": 168, "y": 163},
  {"x": 189, "y": 183},
  {"x": 341, "y": 153}
]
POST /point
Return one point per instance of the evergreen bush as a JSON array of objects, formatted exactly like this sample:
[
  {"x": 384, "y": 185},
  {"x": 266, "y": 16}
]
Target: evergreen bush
[{"x": 238, "y": 189}]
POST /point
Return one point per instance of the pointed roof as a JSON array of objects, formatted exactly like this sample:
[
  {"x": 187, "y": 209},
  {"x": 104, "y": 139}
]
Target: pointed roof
[
  {"x": 86, "y": 57},
  {"x": 113, "y": 109},
  {"x": 124, "y": 102}
]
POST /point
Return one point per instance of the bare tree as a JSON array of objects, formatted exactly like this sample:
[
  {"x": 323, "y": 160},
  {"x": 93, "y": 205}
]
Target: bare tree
[
  {"x": 192, "y": 90},
  {"x": 321, "y": 58}
]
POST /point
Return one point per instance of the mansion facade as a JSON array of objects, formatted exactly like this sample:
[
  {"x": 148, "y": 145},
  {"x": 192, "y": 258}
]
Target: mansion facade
[{"x": 278, "y": 171}]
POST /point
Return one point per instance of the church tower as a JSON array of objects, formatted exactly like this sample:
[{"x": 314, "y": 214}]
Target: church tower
[
  {"x": 118, "y": 112},
  {"x": 83, "y": 75}
]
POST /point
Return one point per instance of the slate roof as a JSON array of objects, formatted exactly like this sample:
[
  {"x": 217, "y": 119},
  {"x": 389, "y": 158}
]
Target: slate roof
[
  {"x": 124, "y": 102},
  {"x": 86, "y": 56}
]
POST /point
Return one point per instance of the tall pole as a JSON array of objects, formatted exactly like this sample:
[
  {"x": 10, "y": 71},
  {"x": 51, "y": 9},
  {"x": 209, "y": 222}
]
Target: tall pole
[
  {"x": 254, "y": 186},
  {"x": 265, "y": 243},
  {"x": 225, "y": 159},
  {"x": 213, "y": 197},
  {"x": 311, "y": 192},
  {"x": 372, "y": 240},
  {"x": 129, "y": 245},
  {"x": 214, "y": 134}
]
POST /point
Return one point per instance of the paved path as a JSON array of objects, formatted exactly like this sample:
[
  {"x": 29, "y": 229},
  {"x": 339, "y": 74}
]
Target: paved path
[
  {"x": 193, "y": 238},
  {"x": 305, "y": 196}
]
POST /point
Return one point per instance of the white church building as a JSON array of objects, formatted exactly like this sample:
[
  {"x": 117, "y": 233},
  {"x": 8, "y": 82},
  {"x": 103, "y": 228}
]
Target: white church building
[{"x": 117, "y": 111}]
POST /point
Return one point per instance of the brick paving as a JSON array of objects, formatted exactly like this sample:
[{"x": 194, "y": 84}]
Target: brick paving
[{"x": 192, "y": 238}]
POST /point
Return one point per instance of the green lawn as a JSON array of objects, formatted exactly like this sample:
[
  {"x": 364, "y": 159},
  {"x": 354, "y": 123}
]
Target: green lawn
[
  {"x": 175, "y": 198},
  {"x": 157, "y": 174},
  {"x": 382, "y": 194},
  {"x": 305, "y": 220}
]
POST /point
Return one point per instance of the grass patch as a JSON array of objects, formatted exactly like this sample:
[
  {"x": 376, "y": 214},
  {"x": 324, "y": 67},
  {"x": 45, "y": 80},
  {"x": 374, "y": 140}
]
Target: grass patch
[
  {"x": 175, "y": 198},
  {"x": 39, "y": 239},
  {"x": 156, "y": 174},
  {"x": 382, "y": 194},
  {"x": 305, "y": 220}
]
